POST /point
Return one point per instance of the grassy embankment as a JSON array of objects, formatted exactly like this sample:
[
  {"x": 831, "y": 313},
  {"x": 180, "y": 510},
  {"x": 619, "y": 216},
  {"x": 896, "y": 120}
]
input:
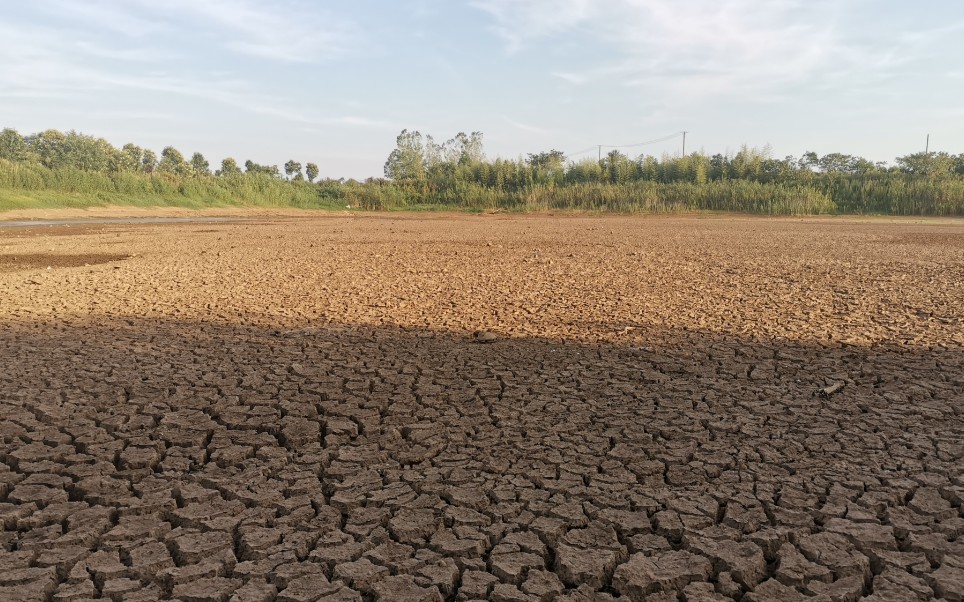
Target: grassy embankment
[
  {"x": 890, "y": 194},
  {"x": 29, "y": 186}
]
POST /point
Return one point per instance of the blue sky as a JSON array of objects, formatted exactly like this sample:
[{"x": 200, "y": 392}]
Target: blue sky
[{"x": 335, "y": 82}]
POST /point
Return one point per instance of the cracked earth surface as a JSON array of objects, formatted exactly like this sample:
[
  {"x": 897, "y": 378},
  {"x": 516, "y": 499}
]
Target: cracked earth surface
[{"x": 296, "y": 410}]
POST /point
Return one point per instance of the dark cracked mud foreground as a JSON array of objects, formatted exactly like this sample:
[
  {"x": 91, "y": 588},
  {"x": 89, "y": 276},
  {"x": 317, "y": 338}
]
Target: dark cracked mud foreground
[{"x": 673, "y": 409}]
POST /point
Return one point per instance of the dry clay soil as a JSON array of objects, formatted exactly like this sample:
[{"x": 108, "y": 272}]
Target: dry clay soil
[{"x": 293, "y": 409}]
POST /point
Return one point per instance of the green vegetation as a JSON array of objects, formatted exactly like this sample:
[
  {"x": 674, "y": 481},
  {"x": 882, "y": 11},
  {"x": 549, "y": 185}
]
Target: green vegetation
[
  {"x": 54, "y": 169},
  {"x": 28, "y": 185},
  {"x": 456, "y": 174}
]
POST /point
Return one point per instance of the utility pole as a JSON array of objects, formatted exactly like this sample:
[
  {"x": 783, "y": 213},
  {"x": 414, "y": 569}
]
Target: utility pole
[
  {"x": 684, "y": 142},
  {"x": 927, "y": 149},
  {"x": 600, "y": 153}
]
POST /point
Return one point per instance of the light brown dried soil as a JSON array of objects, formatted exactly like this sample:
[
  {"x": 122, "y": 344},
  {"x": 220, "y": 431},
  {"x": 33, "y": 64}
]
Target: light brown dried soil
[{"x": 299, "y": 409}]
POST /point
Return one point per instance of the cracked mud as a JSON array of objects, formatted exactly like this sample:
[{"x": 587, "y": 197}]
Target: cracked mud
[{"x": 667, "y": 409}]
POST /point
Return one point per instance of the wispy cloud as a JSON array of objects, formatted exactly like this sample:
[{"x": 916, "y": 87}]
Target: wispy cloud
[
  {"x": 293, "y": 32},
  {"x": 288, "y": 31},
  {"x": 577, "y": 79},
  {"x": 365, "y": 122},
  {"x": 74, "y": 51},
  {"x": 140, "y": 116},
  {"x": 756, "y": 49},
  {"x": 102, "y": 15},
  {"x": 526, "y": 127},
  {"x": 136, "y": 55},
  {"x": 519, "y": 21},
  {"x": 37, "y": 64}
]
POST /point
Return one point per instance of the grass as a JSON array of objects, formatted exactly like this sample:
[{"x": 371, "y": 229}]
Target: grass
[
  {"x": 635, "y": 197},
  {"x": 46, "y": 199},
  {"x": 32, "y": 186},
  {"x": 897, "y": 195}
]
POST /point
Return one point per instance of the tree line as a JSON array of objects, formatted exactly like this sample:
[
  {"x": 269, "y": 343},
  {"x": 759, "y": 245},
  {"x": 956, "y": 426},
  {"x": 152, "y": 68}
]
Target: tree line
[
  {"x": 419, "y": 160},
  {"x": 421, "y": 171},
  {"x": 56, "y": 150},
  {"x": 458, "y": 172}
]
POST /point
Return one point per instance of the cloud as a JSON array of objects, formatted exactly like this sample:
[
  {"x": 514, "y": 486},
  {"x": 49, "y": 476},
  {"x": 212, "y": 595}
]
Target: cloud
[
  {"x": 136, "y": 55},
  {"x": 759, "y": 50},
  {"x": 577, "y": 79},
  {"x": 70, "y": 51},
  {"x": 292, "y": 32},
  {"x": 525, "y": 127},
  {"x": 928, "y": 36},
  {"x": 288, "y": 31},
  {"x": 365, "y": 122},
  {"x": 101, "y": 15},
  {"x": 36, "y": 64},
  {"x": 520, "y": 21},
  {"x": 135, "y": 115}
]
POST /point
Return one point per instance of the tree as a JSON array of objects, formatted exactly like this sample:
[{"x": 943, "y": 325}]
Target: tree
[
  {"x": 129, "y": 158},
  {"x": 859, "y": 165},
  {"x": 698, "y": 168},
  {"x": 465, "y": 148},
  {"x": 173, "y": 162},
  {"x": 407, "y": 162},
  {"x": 649, "y": 167},
  {"x": 292, "y": 167},
  {"x": 229, "y": 167},
  {"x": 12, "y": 146},
  {"x": 748, "y": 163},
  {"x": 618, "y": 167},
  {"x": 48, "y": 146},
  {"x": 809, "y": 160},
  {"x": 838, "y": 162},
  {"x": 547, "y": 166},
  {"x": 86, "y": 152},
  {"x": 200, "y": 165},
  {"x": 311, "y": 170},
  {"x": 547, "y": 160},
  {"x": 835, "y": 162},
  {"x": 719, "y": 167},
  {"x": 433, "y": 154},
  {"x": 55, "y": 149},
  {"x": 253, "y": 168},
  {"x": 149, "y": 161},
  {"x": 586, "y": 171},
  {"x": 776, "y": 170},
  {"x": 927, "y": 164}
]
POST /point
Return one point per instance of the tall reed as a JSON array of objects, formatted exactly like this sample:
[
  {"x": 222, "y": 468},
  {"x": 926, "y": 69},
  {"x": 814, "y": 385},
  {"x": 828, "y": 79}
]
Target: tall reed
[{"x": 30, "y": 184}]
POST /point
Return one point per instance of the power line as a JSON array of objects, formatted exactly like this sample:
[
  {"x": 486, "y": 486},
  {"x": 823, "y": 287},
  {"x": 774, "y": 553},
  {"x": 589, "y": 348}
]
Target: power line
[
  {"x": 591, "y": 148},
  {"x": 654, "y": 141},
  {"x": 599, "y": 147}
]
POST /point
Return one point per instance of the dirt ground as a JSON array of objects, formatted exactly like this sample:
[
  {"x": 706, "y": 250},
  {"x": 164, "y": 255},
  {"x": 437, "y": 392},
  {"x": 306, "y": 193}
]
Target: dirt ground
[{"x": 297, "y": 409}]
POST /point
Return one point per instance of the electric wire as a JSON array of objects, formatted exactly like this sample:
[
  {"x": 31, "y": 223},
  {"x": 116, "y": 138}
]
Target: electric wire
[
  {"x": 596, "y": 147},
  {"x": 654, "y": 141}
]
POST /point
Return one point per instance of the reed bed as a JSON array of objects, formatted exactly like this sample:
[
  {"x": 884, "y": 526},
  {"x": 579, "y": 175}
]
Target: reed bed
[{"x": 27, "y": 185}]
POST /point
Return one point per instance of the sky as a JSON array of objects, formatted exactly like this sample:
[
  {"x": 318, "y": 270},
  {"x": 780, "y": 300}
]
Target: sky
[{"x": 334, "y": 83}]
